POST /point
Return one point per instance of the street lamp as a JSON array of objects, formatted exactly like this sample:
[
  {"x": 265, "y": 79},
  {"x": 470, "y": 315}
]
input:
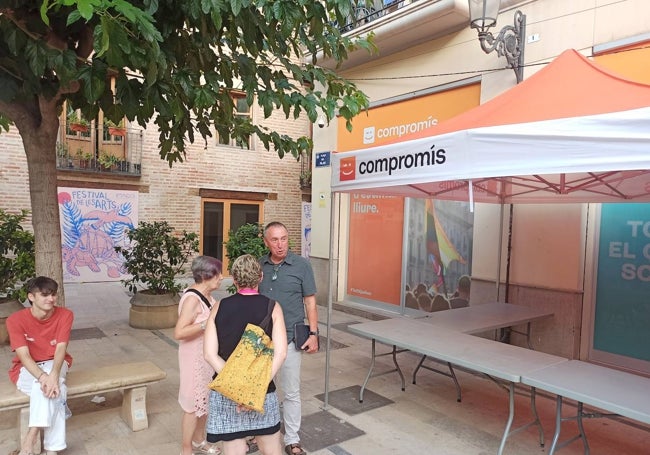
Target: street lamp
[{"x": 509, "y": 43}]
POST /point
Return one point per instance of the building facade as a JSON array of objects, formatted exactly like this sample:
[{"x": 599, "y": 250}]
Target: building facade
[
  {"x": 218, "y": 187},
  {"x": 429, "y": 68}
]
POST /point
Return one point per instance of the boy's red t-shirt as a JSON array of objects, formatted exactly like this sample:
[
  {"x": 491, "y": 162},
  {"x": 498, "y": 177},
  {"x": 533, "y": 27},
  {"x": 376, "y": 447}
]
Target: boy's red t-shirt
[{"x": 41, "y": 337}]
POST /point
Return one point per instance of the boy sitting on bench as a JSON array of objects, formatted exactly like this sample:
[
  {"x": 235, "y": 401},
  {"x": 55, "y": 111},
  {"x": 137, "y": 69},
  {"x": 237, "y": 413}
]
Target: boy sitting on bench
[{"x": 39, "y": 335}]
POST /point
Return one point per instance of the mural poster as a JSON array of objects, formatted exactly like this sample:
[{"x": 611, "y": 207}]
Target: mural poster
[
  {"x": 623, "y": 282},
  {"x": 305, "y": 223},
  {"x": 93, "y": 222}
]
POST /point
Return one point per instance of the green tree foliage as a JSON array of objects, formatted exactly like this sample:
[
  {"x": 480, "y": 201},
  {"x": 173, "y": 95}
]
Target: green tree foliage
[
  {"x": 247, "y": 239},
  {"x": 172, "y": 61},
  {"x": 176, "y": 61},
  {"x": 16, "y": 255},
  {"x": 157, "y": 257}
]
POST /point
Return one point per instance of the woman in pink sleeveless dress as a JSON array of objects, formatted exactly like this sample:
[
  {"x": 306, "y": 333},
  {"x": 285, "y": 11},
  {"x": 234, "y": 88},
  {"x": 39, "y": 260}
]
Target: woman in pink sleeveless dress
[{"x": 195, "y": 373}]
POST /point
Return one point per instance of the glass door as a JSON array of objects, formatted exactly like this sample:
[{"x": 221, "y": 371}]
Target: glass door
[
  {"x": 219, "y": 218},
  {"x": 212, "y": 235}
]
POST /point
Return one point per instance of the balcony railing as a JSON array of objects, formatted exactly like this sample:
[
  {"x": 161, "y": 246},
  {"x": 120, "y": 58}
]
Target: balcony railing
[
  {"x": 363, "y": 14},
  {"x": 92, "y": 149},
  {"x": 305, "y": 171}
]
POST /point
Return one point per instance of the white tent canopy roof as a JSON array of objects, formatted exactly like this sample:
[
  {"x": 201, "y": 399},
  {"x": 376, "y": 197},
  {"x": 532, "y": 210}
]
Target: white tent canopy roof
[
  {"x": 592, "y": 158},
  {"x": 552, "y": 138}
]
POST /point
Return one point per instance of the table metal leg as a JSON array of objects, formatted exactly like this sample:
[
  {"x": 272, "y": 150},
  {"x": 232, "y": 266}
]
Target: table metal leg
[
  {"x": 578, "y": 418},
  {"x": 370, "y": 374},
  {"x": 511, "y": 416},
  {"x": 526, "y": 334},
  {"x": 372, "y": 366},
  {"x": 399, "y": 370},
  {"x": 451, "y": 374},
  {"x": 558, "y": 424},
  {"x": 533, "y": 407},
  {"x": 530, "y": 346},
  {"x": 508, "y": 431},
  {"x": 581, "y": 428}
]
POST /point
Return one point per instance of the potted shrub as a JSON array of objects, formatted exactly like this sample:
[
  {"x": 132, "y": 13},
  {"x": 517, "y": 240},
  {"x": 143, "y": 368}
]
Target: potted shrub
[
  {"x": 76, "y": 123},
  {"x": 84, "y": 158},
  {"x": 247, "y": 239},
  {"x": 63, "y": 157},
  {"x": 305, "y": 179},
  {"x": 154, "y": 261},
  {"x": 107, "y": 161},
  {"x": 89, "y": 160},
  {"x": 115, "y": 129},
  {"x": 17, "y": 265}
]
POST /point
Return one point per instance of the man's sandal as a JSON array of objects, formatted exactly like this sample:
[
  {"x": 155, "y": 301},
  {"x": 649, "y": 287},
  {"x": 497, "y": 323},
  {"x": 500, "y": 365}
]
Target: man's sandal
[
  {"x": 205, "y": 448},
  {"x": 294, "y": 449}
]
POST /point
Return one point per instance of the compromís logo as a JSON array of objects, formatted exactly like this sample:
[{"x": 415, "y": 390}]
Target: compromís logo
[
  {"x": 348, "y": 168},
  {"x": 369, "y": 135}
]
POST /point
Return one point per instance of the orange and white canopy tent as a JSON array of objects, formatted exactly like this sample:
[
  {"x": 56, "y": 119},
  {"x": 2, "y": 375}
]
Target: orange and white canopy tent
[{"x": 572, "y": 132}]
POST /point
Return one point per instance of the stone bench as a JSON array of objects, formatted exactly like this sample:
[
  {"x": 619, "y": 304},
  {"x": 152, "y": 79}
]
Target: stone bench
[{"x": 131, "y": 378}]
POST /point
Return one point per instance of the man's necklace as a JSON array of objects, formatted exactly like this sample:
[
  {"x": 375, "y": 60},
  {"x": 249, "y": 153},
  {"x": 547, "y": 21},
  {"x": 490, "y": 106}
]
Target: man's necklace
[{"x": 276, "y": 268}]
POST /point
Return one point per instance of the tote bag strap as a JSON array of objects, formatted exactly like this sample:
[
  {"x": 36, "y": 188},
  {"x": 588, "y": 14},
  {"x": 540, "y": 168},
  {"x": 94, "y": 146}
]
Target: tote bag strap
[
  {"x": 201, "y": 296},
  {"x": 267, "y": 319}
]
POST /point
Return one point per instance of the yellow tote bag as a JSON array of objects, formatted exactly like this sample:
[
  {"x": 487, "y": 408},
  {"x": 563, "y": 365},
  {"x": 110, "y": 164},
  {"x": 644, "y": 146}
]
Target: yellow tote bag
[{"x": 246, "y": 375}]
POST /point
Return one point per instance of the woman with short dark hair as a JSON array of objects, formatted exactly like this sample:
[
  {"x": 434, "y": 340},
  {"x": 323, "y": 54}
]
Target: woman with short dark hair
[{"x": 195, "y": 373}]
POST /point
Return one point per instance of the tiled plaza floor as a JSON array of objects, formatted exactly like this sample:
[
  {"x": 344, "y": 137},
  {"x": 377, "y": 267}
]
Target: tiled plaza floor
[{"x": 424, "y": 419}]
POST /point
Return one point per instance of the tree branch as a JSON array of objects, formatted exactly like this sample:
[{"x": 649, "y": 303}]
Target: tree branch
[
  {"x": 13, "y": 111},
  {"x": 84, "y": 44}
]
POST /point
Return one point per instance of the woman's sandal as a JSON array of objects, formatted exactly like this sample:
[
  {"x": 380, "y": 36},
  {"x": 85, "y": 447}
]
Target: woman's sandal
[
  {"x": 205, "y": 448},
  {"x": 290, "y": 449},
  {"x": 251, "y": 444}
]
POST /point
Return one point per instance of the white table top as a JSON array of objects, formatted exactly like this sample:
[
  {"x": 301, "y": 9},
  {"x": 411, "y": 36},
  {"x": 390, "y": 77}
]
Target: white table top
[
  {"x": 485, "y": 317},
  {"x": 612, "y": 390},
  {"x": 478, "y": 354}
]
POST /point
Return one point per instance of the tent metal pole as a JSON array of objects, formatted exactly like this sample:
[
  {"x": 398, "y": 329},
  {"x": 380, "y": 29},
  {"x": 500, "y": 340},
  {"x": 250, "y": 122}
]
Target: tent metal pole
[
  {"x": 512, "y": 212},
  {"x": 500, "y": 246},
  {"x": 333, "y": 272}
]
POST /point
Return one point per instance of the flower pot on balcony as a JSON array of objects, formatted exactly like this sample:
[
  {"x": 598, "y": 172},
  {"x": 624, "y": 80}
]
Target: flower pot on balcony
[
  {"x": 108, "y": 162},
  {"x": 116, "y": 131},
  {"x": 79, "y": 127},
  {"x": 305, "y": 180}
]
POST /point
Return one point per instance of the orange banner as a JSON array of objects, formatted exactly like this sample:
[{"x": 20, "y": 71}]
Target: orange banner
[
  {"x": 375, "y": 247},
  {"x": 392, "y": 122}
]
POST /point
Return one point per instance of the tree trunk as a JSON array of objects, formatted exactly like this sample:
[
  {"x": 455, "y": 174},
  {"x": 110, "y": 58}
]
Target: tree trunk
[{"x": 39, "y": 139}]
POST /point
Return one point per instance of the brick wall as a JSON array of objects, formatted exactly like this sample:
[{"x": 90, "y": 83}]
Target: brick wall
[{"x": 173, "y": 194}]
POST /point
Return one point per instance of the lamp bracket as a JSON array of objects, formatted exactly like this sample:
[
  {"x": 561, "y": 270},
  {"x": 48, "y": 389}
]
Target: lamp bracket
[{"x": 509, "y": 43}]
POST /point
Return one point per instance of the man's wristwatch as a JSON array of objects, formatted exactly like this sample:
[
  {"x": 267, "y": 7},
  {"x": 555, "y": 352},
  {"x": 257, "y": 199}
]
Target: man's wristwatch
[{"x": 313, "y": 333}]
